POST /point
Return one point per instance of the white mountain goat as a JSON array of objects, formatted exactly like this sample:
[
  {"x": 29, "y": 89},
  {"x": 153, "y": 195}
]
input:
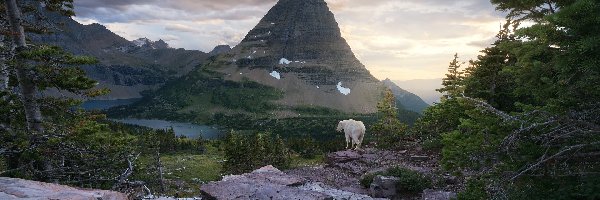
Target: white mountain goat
[{"x": 354, "y": 130}]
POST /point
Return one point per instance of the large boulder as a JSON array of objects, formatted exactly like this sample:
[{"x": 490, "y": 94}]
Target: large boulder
[
  {"x": 342, "y": 157},
  {"x": 384, "y": 186},
  {"x": 13, "y": 188}
]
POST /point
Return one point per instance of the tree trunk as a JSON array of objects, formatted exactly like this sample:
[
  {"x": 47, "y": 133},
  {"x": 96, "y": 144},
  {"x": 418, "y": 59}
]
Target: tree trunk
[
  {"x": 3, "y": 67},
  {"x": 3, "y": 75},
  {"x": 159, "y": 166},
  {"x": 26, "y": 84}
]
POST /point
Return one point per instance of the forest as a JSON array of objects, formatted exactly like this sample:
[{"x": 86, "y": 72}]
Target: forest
[{"x": 522, "y": 121}]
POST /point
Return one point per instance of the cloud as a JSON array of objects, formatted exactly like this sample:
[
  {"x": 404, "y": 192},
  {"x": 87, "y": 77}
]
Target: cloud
[
  {"x": 109, "y": 11},
  {"x": 180, "y": 28},
  {"x": 408, "y": 39}
]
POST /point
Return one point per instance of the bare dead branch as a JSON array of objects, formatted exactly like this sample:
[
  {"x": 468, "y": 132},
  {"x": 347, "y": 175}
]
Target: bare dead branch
[{"x": 561, "y": 152}]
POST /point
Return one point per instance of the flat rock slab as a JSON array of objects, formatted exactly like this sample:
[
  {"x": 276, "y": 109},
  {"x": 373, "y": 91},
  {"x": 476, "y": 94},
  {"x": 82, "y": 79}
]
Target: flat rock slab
[
  {"x": 270, "y": 183},
  {"x": 13, "y": 188},
  {"x": 335, "y": 193},
  {"x": 343, "y": 156},
  {"x": 264, "y": 183}
]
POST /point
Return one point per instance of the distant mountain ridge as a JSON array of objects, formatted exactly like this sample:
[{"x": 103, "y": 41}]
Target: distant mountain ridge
[
  {"x": 126, "y": 67},
  {"x": 424, "y": 88},
  {"x": 408, "y": 100}
]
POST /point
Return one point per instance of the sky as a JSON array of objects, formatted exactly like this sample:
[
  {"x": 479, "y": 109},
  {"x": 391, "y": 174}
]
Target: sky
[{"x": 396, "y": 39}]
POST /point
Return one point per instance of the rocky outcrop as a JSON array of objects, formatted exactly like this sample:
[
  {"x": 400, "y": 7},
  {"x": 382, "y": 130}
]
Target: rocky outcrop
[
  {"x": 384, "y": 186},
  {"x": 12, "y": 188},
  {"x": 264, "y": 183},
  {"x": 270, "y": 183},
  {"x": 361, "y": 162}
]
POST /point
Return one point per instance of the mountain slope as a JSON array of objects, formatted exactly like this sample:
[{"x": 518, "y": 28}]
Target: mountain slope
[
  {"x": 294, "y": 58},
  {"x": 408, "y": 100},
  {"x": 424, "y": 88},
  {"x": 125, "y": 67}
]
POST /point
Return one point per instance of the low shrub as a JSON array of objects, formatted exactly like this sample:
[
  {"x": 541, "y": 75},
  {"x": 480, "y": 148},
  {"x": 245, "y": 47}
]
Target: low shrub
[{"x": 410, "y": 181}]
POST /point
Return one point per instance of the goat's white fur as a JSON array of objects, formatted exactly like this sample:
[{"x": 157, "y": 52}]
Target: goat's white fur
[{"x": 354, "y": 131}]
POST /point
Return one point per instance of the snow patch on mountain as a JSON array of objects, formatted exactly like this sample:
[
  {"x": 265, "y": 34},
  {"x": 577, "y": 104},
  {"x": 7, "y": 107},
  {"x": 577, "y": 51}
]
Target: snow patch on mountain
[
  {"x": 284, "y": 61},
  {"x": 343, "y": 90},
  {"x": 276, "y": 75}
]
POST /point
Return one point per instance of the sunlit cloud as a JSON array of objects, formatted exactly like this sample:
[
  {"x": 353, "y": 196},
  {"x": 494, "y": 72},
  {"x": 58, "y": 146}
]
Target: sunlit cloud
[{"x": 400, "y": 40}]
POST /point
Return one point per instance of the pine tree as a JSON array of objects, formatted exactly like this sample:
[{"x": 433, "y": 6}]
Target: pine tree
[
  {"x": 388, "y": 129},
  {"x": 42, "y": 137},
  {"x": 453, "y": 83}
]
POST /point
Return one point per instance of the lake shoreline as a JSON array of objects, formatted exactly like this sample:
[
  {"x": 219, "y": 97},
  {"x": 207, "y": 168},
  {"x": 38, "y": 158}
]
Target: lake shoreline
[{"x": 188, "y": 130}]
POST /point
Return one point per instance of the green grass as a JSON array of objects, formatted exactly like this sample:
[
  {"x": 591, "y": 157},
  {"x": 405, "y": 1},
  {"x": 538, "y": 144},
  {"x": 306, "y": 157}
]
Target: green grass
[
  {"x": 298, "y": 161},
  {"x": 192, "y": 168},
  {"x": 410, "y": 181},
  {"x": 183, "y": 173}
]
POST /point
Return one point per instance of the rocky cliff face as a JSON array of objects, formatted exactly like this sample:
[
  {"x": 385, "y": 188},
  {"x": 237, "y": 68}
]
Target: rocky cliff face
[{"x": 126, "y": 67}]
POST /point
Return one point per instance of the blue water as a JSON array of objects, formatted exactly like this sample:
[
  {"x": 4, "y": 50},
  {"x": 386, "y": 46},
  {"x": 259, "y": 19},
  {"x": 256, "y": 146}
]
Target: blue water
[
  {"x": 186, "y": 129},
  {"x": 106, "y": 104}
]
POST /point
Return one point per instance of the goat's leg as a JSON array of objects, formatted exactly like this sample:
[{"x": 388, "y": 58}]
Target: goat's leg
[
  {"x": 347, "y": 141},
  {"x": 359, "y": 142}
]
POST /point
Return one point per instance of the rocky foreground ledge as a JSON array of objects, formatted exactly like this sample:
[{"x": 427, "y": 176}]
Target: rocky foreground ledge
[
  {"x": 13, "y": 188},
  {"x": 270, "y": 183},
  {"x": 338, "y": 179}
]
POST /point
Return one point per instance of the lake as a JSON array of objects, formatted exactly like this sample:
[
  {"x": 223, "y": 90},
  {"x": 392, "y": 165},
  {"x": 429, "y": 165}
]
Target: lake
[
  {"x": 106, "y": 104},
  {"x": 186, "y": 129}
]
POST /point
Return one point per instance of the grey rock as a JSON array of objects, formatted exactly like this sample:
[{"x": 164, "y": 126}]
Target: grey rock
[
  {"x": 342, "y": 157},
  {"x": 334, "y": 193},
  {"x": 12, "y": 188},
  {"x": 419, "y": 158},
  {"x": 265, "y": 183},
  {"x": 450, "y": 180},
  {"x": 384, "y": 186},
  {"x": 430, "y": 194}
]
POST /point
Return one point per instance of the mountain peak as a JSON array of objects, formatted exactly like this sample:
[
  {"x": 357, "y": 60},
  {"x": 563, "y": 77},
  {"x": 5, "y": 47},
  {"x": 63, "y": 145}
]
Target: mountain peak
[
  {"x": 219, "y": 49},
  {"x": 306, "y": 34},
  {"x": 147, "y": 43},
  {"x": 141, "y": 42}
]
